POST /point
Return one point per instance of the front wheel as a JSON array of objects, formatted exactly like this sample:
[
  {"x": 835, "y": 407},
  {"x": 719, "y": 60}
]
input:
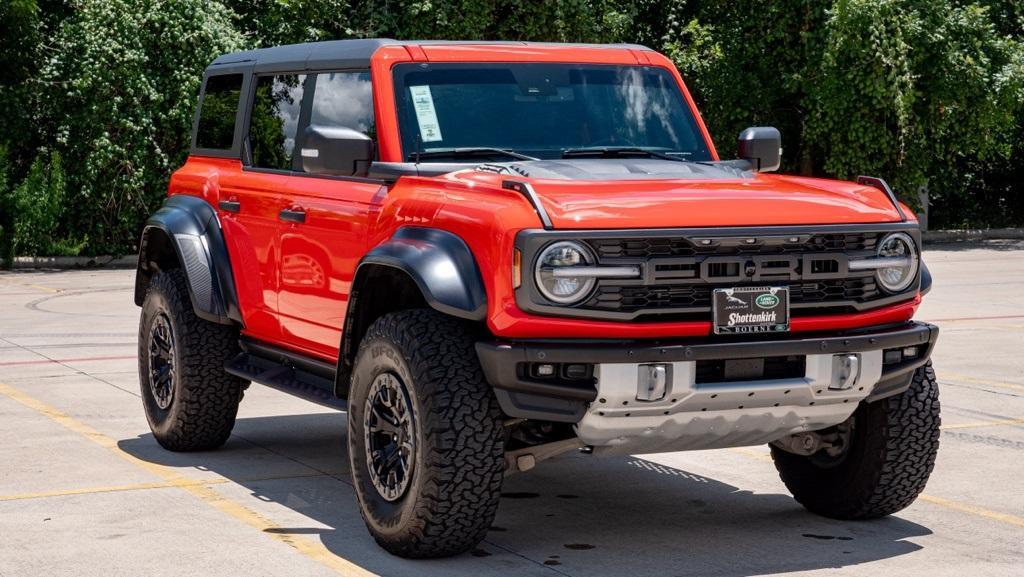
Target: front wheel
[
  {"x": 884, "y": 467},
  {"x": 425, "y": 436}
]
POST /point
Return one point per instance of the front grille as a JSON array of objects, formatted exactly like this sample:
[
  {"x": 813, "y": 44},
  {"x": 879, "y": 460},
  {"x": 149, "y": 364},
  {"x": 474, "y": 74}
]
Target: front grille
[
  {"x": 630, "y": 299},
  {"x": 680, "y": 269},
  {"x": 676, "y": 284},
  {"x": 678, "y": 247}
]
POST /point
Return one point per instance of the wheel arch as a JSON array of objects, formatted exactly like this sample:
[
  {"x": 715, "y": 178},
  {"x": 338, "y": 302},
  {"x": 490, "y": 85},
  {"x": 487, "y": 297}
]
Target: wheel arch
[
  {"x": 185, "y": 233},
  {"x": 416, "y": 268}
]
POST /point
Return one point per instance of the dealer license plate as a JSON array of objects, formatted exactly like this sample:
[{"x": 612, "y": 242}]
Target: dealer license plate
[{"x": 751, "y": 310}]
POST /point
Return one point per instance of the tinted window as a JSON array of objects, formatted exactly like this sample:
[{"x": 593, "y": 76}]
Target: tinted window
[
  {"x": 543, "y": 109},
  {"x": 217, "y": 112},
  {"x": 344, "y": 99},
  {"x": 275, "y": 120}
]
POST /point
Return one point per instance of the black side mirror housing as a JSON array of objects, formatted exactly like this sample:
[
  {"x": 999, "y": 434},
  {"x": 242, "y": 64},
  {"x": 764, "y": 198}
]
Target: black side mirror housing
[
  {"x": 336, "y": 150},
  {"x": 762, "y": 147}
]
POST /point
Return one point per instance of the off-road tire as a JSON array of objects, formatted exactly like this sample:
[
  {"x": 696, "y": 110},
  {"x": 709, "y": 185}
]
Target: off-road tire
[
  {"x": 887, "y": 465},
  {"x": 455, "y": 484},
  {"x": 205, "y": 398}
]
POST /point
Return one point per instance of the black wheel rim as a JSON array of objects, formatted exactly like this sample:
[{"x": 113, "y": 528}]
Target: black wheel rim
[
  {"x": 161, "y": 361},
  {"x": 388, "y": 432}
]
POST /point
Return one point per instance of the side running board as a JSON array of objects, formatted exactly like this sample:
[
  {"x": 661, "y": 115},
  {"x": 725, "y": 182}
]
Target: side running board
[{"x": 288, "y": 372}]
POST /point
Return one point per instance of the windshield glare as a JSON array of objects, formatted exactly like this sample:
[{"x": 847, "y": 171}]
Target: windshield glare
[{"x": 542, "y": 110}]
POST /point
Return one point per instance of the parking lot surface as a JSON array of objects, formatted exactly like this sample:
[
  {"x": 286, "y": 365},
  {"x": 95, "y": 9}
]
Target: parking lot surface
[{"x": 85, "y": 490}]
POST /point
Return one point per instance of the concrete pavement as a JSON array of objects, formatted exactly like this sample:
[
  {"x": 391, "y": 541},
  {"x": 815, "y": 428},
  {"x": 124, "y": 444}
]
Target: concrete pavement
[{"x": 84, "y": 489}]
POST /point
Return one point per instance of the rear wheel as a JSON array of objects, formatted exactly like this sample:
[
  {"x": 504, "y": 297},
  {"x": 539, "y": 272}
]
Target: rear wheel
[
  {"x": 885, "y": 464},
  {"x": 190, "y": 401},
  {"x": 425, "y": 437}
]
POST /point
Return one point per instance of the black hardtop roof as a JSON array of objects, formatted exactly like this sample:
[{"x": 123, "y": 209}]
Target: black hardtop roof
[{"x": 340, "y": 54}]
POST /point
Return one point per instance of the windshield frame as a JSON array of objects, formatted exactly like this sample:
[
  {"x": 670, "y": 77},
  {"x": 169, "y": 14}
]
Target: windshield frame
[{"x": 405, "y": 125}]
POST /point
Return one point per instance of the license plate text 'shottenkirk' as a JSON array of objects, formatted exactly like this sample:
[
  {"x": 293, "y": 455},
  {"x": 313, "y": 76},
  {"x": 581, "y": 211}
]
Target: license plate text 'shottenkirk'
[{"x": 750, "y": 310}]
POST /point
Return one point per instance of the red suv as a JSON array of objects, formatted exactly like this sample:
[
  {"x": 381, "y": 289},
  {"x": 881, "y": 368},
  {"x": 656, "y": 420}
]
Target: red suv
[{"x": 493, "y": 253}]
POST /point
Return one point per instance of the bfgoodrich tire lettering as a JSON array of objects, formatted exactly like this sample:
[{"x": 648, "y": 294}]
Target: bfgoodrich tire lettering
[
  {"x": 452, "y": 495},
  {"x": 199, "y": 411},
  {"x": 890, "y": 458}
]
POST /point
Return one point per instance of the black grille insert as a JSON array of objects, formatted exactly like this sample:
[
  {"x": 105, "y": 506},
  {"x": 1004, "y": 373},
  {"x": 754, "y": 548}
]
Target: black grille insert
[
  {"x": 633, "y": 298},
  {"x": 678, "y": 246}
]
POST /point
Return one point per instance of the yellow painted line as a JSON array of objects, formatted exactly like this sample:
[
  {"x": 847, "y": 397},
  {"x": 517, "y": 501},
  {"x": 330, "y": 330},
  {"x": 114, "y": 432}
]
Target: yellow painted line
[
  {"x": 38, "y": 287},
  {"x": 954, "y": 377},
  {"x": 197, "y": 488},
  {"x": 111, "y": 489},
  {"x": 974, "y": 510},
  {"x": 983, "y": 424},
  {"x": 752, "y": 454},
  {"x": 146, "y": 486},
  {"x": 947, "y": 503}
]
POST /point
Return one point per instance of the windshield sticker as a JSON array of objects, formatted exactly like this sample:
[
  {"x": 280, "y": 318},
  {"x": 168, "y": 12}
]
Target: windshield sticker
[{"x": 426, "y": 116}]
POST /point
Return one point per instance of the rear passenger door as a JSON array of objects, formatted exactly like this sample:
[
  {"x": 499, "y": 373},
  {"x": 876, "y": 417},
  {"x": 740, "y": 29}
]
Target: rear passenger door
[{"x": 324, "y": 229}]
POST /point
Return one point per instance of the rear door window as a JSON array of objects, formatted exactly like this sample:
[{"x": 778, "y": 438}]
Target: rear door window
[
  {"x": 218, "y": 111},
  {"x": 274, "y": 122},
  {"x": 344, "y": 99}
]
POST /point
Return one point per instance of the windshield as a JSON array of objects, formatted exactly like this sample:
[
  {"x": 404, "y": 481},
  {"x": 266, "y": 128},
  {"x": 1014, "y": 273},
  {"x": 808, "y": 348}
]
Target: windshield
[{"x": 542, "y": 110}]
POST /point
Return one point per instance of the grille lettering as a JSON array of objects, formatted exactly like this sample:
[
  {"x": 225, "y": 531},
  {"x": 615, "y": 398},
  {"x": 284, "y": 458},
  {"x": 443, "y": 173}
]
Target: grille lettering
[{"x": 741, "y": 269}]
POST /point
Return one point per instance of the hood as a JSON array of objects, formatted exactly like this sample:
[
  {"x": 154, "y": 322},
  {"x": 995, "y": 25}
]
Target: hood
[{"x": 653, "y": 193}]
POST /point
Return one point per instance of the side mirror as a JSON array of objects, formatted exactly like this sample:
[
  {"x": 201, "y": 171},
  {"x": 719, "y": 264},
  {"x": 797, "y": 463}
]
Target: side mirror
[
  {"x": 762, "y": 147},
  {"x": 336, "y": 150}
]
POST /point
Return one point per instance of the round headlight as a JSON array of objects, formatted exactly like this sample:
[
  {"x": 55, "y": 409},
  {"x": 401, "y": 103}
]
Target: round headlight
[
  {"x": 555, "y": 279},
  {"x": 899, "y": 249}
]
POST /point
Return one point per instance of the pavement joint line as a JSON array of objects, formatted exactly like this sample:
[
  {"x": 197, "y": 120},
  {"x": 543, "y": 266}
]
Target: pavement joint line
[
  {"x": 93, "y": 376},
  {"x": 315, "y": 551},
  {"x": 48, "y": 360},
  {"x": 953, "y": 377},
  {"x": 947, "y": 503},
  {"x": 521, "y": 556},
  {"x": 1001, "y": 422},
  {"x": 153, "y": 485}
]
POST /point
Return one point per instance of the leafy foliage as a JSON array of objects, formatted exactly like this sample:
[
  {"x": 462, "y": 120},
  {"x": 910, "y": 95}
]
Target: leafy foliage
[
  {"x": 40, "y": 205},
  {"x": 935, "y": 84},
  {"x": 926, "y": 93},
  {"x": 121, "y": 92}
]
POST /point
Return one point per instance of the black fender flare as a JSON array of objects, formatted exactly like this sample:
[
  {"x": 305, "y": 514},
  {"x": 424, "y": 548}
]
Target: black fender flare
[
  {"x": 440, "y": 263},
  {"x": 185, "y": 232}
]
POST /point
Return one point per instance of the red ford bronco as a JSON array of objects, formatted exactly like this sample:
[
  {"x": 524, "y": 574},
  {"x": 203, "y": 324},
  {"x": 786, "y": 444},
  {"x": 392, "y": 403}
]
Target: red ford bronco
[{"x": 493, "y": 253}]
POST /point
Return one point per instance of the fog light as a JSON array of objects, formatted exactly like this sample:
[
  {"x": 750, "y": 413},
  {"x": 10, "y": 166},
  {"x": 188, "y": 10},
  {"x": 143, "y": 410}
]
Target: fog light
[
  {"x": 892, "y": 357},
  {"x": 544, "y": 370},
  {"x": 910, "y": 352},
  {"x": 576, "y": 372}
]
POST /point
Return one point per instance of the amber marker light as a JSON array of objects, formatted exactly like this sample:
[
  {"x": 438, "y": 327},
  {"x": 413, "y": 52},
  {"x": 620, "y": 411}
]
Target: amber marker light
[{"x": 517, "y": 269}]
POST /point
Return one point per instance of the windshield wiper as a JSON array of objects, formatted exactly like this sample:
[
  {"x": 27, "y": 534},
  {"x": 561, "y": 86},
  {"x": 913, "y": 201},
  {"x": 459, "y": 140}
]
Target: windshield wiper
[
  {"x": 467, "y": 152},
  {"x": 613, "y": 151}
]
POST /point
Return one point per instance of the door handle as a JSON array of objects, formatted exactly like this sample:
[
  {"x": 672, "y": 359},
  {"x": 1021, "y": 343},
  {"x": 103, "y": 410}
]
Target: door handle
[
  {"x": 230, "y": 205},
  {"x": 293, "y": 215}
]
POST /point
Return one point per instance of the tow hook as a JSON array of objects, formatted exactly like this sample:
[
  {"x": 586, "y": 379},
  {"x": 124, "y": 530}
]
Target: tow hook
[
  {"x": 833, "y": 442},
  {"x": 527, "y": 458}
]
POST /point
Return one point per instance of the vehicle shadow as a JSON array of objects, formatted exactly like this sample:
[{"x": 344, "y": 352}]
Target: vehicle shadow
[{"x": 576, "y": 515}]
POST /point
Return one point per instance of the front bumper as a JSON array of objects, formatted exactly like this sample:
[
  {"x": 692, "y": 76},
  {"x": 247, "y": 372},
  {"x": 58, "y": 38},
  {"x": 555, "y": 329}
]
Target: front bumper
[{"x": 609, "y": 416}]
